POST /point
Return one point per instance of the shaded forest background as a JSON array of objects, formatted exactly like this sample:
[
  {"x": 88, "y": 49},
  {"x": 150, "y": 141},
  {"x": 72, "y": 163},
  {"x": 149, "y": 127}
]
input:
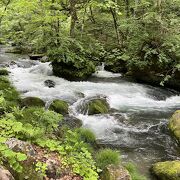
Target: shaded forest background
[{"x": 136, "y": 37}]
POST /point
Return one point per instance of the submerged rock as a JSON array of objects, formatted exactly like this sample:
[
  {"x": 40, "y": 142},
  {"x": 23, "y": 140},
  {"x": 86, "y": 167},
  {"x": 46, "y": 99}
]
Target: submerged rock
[
  {"x": 169, "y": 170},
  {"x": 98, "y": 106},
  {"x": 59, "y": 106},
  {"x": 174, "y": 125},
  {"x": 113, "y": 172},
  {"x": 49, "y": 83},
  {"x": 32, "y": 101},
  {"x": 12, "y": 63},
  {"x": 5, "y": 174}
]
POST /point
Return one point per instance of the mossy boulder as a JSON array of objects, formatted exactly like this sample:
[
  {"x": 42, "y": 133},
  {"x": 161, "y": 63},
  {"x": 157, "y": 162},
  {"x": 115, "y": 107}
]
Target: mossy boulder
[
  {"x": 174, "y": 125},
  {"x": 98, "y": 106},
  {"x": 168, "y": 170},
  {"x": 4, "y": 72},
  {"x": 113, "y": 172},
  {"x": 72, "y": 70},
  {"x": 32, "y": 101},
  {"x": 59, "y": 106}
]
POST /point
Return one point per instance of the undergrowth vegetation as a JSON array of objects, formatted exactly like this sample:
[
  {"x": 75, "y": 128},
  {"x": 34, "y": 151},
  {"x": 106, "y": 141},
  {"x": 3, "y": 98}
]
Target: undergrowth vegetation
[
  {"x": 107, "y": 156},
  {"x": 135, "y": 175},
  {"x": 75, "y": 148}
]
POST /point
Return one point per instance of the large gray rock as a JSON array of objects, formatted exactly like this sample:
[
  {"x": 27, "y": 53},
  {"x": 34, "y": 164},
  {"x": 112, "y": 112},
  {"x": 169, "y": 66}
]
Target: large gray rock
[
  {"x": 5, "y": 174},
  {"x": 21, "y": 146},
  {"x": 113, "y": 172}
]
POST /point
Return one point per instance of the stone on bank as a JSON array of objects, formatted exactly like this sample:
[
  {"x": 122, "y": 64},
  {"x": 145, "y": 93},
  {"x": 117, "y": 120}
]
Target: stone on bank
[
  {"x": 113, "y": 172},
  {"x": 5, "y": 174}
]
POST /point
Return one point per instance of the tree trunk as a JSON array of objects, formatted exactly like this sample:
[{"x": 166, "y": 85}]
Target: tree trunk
[
  {"x": 127, "y": 8},
  {"x": 73, "y": 17},
  {"x": 115, "y": 24}
]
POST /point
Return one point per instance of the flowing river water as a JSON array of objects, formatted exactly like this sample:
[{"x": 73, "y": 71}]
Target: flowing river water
[{"x": 137, "y": 123}]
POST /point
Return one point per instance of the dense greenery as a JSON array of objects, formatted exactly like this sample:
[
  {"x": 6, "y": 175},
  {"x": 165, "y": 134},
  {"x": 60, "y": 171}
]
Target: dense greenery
[
  {"x": 138, "y": 38},
  {"x": 134, "y": 36}
]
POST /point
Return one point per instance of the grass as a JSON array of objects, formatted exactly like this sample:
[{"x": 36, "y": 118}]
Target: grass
[
  {"x": 87, "y": 135},
  {"x": 106, "y": 157},
  {"x": 135, "y": 175}
]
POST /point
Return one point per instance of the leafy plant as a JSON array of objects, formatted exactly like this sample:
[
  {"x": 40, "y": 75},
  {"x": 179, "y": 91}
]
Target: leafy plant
[{"x": 41, "y": 168}]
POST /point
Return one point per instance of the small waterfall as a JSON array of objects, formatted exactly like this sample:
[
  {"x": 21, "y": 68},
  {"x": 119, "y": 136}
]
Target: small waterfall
[
  {"x": 102, "y": 73},
  {"x": 102, "y": 66}
]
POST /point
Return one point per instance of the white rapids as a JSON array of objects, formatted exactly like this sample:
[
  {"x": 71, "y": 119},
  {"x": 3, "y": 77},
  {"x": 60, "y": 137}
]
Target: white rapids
[
  {"x": 137, "y": 116},
  {"x": 121, "y": 96}
]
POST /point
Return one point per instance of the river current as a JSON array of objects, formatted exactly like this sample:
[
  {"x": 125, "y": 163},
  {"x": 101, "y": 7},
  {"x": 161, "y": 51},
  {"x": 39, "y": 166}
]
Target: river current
[{"x": 137, "y": 122}]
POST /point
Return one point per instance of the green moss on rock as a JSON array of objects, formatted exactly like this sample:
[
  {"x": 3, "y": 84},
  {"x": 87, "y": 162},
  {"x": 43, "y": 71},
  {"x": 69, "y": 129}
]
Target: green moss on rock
[
  {"x": 32, "y": 101},
  {"x": 98, "y": 106},
  {"x": 59, "y": 106},
  {"x": 169, "y": 170},
  {"x": 174, "y": 125},
  {"x": 3, "y": 72}
]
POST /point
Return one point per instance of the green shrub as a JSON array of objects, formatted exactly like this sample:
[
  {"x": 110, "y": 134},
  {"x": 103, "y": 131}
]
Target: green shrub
[
  {"x": 70, "y": 57},
  {"x": 134, "y": 172},
  {"x": 107, "y": 156},
  {"x": 39, "y": 117}
]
